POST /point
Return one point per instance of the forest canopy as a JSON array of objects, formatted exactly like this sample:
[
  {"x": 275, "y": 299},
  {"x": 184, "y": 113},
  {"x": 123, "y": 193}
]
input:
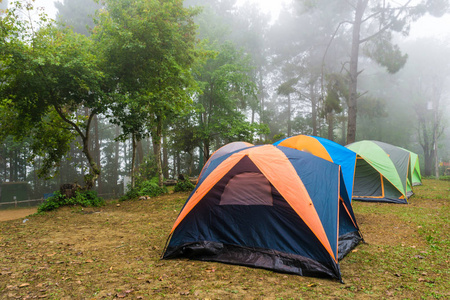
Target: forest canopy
[{"x": 152, "y": 88}]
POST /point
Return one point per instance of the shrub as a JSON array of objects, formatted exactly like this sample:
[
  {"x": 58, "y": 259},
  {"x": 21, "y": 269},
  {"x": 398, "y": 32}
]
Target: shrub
[
  {"x": 147, "y": 170},
  {"x": 184, "y": 186},
  {"x": 151, "y": 188},
  {"x": 145, "y": 188},
  {"x": 83, "y": 198}
]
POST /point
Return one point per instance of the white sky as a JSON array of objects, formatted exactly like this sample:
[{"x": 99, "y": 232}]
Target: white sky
[
  {"x": 268, "y": 6},
  {"x": 431, "y": 26},
  {"x": 426, "y": 26}
]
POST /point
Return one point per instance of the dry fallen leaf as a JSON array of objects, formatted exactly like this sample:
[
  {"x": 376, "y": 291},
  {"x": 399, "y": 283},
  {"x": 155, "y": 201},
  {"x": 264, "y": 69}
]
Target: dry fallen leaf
[{"x": 24, "y": 285}]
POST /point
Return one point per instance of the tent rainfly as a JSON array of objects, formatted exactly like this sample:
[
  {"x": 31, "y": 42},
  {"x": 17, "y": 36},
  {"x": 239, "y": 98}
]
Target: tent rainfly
[
  {"x": 268, "y": 207},
  {"x": 328, "y": 150}
]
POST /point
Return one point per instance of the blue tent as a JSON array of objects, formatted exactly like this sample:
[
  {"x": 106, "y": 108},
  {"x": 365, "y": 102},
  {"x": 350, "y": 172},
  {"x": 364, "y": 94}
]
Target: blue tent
[{"x": 328, "y": 150}]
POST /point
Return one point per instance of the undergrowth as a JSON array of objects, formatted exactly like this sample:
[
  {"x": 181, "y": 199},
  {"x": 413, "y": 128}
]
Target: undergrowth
[
  {"x": 82, "y": 198},
  {"x": 145, "y": 188},
  {"x": 184, "y": 186}
]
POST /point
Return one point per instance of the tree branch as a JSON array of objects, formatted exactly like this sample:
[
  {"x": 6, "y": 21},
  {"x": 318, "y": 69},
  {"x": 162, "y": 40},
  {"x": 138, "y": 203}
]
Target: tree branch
[
  {"x": 371, "y": 16},
  {"x": 383, "y": 29},
  {"x": 325, "y": 54},
  {"x": 65, "y": 119}
]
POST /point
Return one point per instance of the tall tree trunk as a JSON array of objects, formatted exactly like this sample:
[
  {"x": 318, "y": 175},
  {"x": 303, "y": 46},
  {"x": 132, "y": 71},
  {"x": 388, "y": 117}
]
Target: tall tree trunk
[
  {"x": 139, "y": 154},
  {"x": 11, "y": 172},
  {"x": 94, "y": 169},
  {"x": 206, "y": 152},
  {"x": 330, "y": 118},
  {"x": 156, "y": 136},
  {"x": 178, "y": 160},
  {"x": 133, "y": 159},
  {"x": 190, "y": 163},
  {"x": 97, "y": 152},
  {"x": 344, "y": 132},
  {"x": 427, "y": 149},
  {"x": 353, "y": 72},
  {"x": 165, "y": 152},
  {"x": 261, "y": 99},
  {"x": 116, "y": 161},
  {"x": 289, "y": 116},
  {"x": 313, "y": 108}
]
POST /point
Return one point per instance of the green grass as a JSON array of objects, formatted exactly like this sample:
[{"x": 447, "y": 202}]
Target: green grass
[{"x": 114, "y": 251}]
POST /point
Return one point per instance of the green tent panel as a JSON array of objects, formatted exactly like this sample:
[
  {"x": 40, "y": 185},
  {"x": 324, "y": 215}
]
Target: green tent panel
[
  {"x": 415, "y": 169},
  {"x": 414, "y": 177},
  {"x": 382, "y": 172}
]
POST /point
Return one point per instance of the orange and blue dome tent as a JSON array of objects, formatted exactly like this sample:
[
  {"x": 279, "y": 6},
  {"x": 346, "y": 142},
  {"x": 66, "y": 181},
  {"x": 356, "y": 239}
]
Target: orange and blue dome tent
[
  {"x": 328, "y": 150},
  {"x": 268, "y": 207}
]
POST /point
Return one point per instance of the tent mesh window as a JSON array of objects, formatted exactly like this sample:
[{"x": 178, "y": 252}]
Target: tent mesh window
[{"x": 247, "y": 189}]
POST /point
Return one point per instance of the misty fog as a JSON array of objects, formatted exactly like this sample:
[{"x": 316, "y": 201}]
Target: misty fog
[{"x": 264, "y": 76}]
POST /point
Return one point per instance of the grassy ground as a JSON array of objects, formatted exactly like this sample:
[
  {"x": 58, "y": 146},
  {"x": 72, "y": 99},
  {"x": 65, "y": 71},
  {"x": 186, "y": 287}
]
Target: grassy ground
[{"x": 113, "y": 252}]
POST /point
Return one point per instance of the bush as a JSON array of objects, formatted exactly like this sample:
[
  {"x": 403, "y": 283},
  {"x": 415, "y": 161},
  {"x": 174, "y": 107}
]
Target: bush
[
  {"x": 145, "y": 188},
  {"x": 184, "y": 186},
  {"x": 147, "y": 171},
  {"x": 83, "y": 198},
  {"x": 151, "y": 188}
]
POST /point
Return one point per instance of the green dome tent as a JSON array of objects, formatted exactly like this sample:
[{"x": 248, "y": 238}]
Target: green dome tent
[{"x": 382, "y": 172}]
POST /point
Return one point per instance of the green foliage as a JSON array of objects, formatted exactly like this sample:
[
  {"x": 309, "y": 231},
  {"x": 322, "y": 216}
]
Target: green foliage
[
  {"x": 184, "y": 186},
  {"x": 337, "y": 92},
  {"x": 157, "y": 38},
  {"x": 48, "y": 75},
  {"x": 151, "y": 188},
  {"x": 147, "y": 171},
  {"x": 145, "y": 188},
  {"x": 82, "y": 198},
  {"x": 228, "y": 88},
  {"x": 386, "y": 54}
]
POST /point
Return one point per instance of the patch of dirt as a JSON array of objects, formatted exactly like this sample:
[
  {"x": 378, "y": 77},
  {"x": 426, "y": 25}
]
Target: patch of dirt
[
  {"x": 12, "y": 214},
  {"x": 387, "y": 230}
]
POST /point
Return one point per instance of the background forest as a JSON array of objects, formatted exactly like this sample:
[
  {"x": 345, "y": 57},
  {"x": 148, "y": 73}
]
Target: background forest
[{"x": 150, "y": 89}]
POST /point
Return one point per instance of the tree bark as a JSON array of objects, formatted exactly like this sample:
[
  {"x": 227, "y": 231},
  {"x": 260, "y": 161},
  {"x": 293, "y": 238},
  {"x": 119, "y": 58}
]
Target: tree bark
[
  {"x": 133, "y": 159},
  {"x": 313, "y": 108},
  {"x": 165, "y": 152},
  {"x": 116, "y": 161},
  {"x": 97, "y": 152},
  {"x": 139, "y": 153},
  {"x": 156, "y": 136},
  {"x": 289, "y": 116},
  {"x": 353, "y": 72},
  {"x": 330, "y": 118},
  {"x": 94, "y": 173}
]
